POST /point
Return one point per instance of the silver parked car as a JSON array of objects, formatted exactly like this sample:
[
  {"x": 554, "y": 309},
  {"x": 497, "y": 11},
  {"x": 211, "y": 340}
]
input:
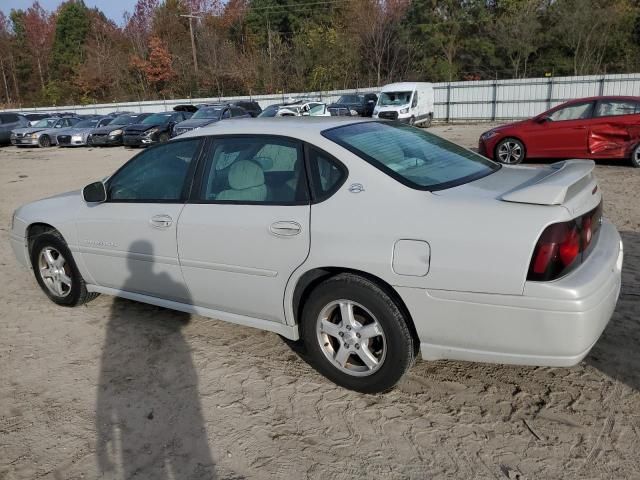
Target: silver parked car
[
  {"x": 43, "y": 133},
  {"x": 77, "y": 135},
  {"x": 370, "y": 241}
]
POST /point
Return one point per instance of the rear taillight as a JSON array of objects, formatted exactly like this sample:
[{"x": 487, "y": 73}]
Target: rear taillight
[{"x": 562, "y": 246}]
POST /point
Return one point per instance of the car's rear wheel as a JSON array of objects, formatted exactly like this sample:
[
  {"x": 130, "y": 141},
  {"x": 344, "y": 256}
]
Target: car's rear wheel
[
  {"x": 356, "y": 335},
  {"x": 56, "y": 272},
  {"x": 635, "y": 156},
  {"x": 44, "y": 141},
  {"x": 510, "y": 151}
]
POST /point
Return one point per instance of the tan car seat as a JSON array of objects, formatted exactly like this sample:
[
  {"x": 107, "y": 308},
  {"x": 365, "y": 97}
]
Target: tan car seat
[{"x": 246, "y": 180}]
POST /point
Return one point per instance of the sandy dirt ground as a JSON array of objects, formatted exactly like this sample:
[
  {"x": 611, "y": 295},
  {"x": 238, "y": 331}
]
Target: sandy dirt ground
[{"x": 198, "y": 398}]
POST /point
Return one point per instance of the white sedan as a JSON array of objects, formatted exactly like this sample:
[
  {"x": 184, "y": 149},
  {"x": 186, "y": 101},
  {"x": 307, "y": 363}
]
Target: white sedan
[{"x": 369, "y": 241}]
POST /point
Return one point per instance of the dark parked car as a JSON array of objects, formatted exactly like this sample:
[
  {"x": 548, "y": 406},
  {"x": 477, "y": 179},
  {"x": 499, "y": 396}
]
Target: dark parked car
[
  {"x": 209, "y": 114},
  {"x": 354, "y": 105},
  {"x": 252, "y": 107},
  {"x": 155, "y": 128},
  {"x": 8, "y": 122},
  {"x": 112, "y": 133}
]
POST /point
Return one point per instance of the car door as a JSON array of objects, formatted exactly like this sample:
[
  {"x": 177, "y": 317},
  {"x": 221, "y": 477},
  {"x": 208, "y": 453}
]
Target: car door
[
  {"x": 615, "y": 128},
  {"x": 562, "y": 133},
  {"x": 129, "y": 241},
  {"x": 246, "y": 228}
]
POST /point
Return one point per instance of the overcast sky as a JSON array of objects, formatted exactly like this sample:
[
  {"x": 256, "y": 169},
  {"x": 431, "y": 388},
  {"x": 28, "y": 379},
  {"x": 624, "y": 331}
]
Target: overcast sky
[{"x": 114, "y": 9}]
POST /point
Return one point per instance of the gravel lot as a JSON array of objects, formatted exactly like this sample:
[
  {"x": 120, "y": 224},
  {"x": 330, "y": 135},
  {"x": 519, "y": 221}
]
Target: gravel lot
[{"x": 197, "y": 398}]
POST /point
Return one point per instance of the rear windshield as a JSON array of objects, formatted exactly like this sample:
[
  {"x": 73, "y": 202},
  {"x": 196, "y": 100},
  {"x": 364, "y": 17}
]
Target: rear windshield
[
  {"x": 158, "y": 118},
  {"x": 208, "y": 112},
  {"x": 414, "y": 157}
]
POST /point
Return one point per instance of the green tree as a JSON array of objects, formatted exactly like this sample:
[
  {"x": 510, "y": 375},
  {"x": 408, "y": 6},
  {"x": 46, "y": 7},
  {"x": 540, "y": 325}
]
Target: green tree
[{"x": 72, "y": 26}]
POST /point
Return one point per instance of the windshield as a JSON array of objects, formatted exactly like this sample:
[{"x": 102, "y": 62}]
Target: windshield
[
  {"x": 394, "y": 98},
  {"x": 157, "y": 118},
  {"x": 87, "y": 123},
  {"x": 125, "y": 119},
  {"x": 46, "y": 122},
  {"x": 270, "y": 111},
  {"x": 211, "y": 112},
  {"x": 351, "y": 99},
  {"x": 416, "y": 158}
]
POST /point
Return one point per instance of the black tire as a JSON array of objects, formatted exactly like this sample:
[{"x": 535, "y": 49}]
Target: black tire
[
  {"x": 398, "y": 340},
  {"x": 163, "y": 138},
  {"x": 77, "y": 294},
  {"x": 427, "y": 122},
  {"x": 635, "y": 157},
  {"x": 412, "y": 121},
  {"x": 44, "y": 141},
  {"x": 515, "y": 154}
]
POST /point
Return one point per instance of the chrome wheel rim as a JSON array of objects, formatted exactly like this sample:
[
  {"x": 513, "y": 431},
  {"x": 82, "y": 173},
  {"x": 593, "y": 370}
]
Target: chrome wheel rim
[
  {"x": 509, "y": 152},
  {"x": 636, "y": 155},
  {"x": 54, "y": 272},
  {"x": 351, "y": 338}
]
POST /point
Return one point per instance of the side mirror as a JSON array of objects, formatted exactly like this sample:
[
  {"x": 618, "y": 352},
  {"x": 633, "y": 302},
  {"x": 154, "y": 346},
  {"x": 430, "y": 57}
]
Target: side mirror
[{"x": 94, "y": 193}]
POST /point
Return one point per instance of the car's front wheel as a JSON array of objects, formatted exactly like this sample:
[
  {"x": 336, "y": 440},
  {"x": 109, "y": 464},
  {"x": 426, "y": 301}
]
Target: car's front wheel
[
  {"x": 510, "y": 151},
  {"x": 356, "y": 335},
  {"x": 44, "y": 141},
  {"x": 56, "y": 271},
  {"x": 635, "y": 157}
]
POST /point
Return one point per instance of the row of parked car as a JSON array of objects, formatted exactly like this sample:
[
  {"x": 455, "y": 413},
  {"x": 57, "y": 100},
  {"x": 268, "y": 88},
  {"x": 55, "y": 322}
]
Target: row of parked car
[{"x": 409, "y": 102}]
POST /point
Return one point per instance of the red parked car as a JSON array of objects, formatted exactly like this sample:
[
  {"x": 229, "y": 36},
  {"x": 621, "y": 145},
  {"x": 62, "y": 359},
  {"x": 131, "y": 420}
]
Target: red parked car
[{"x": 594, "y": 128}]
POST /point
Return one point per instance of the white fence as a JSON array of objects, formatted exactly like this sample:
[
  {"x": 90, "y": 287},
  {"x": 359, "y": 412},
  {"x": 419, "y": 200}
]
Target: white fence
[{"x": 483, "y": 100}]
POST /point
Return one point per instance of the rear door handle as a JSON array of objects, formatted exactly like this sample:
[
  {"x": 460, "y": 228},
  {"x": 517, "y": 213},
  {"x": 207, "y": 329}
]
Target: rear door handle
[
  {"x": 285, "y": 229},
  {"x": 161, "y": 221}
]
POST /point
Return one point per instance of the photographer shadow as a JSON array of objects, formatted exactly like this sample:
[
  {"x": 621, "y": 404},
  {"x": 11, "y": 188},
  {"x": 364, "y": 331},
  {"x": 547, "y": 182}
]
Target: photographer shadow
[{"x": 149, "y": 419}]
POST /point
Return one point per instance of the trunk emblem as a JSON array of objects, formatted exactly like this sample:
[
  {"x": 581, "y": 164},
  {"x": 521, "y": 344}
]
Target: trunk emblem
[{"x": 356, "y": 188}]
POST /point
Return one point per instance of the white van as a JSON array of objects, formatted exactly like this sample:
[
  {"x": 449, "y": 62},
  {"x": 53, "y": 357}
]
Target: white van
[{"x": 410, "y": 102}]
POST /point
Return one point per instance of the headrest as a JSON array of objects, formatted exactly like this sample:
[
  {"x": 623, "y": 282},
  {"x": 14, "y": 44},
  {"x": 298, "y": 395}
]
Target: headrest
[{"x": 245, "y": 174}]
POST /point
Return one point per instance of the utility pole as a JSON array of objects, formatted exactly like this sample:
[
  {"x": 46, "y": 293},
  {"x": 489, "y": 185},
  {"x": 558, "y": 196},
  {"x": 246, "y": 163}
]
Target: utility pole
[{"x": 191, "y": 16}]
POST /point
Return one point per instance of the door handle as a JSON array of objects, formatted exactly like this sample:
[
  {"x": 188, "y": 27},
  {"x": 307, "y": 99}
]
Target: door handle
[
  {"x": 285, "y": 229},
  {"x": 161, "y": 221}
]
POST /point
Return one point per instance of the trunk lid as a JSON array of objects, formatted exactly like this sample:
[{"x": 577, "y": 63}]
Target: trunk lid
[{"x": 569, "y": 183}]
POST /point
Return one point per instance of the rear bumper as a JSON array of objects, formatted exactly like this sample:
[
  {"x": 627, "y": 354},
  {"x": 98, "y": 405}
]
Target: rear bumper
[{"x": 552, "y": 323}]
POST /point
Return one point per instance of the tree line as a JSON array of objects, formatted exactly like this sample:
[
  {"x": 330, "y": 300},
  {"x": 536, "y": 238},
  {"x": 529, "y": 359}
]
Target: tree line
[{"x": 76, "y": 55}]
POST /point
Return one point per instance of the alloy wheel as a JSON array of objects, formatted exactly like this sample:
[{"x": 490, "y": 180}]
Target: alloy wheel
[
  {"x": 510, "y": 152},
  {"x": 351, "y": 338},
  {"x": 55, "y": 272}
]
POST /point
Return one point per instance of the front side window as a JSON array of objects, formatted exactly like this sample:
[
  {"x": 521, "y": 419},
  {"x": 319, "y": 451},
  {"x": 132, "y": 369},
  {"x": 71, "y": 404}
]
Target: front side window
[
  {"x": 255, "y": 170},
  {"x": 46, "y": 123},
  {"x": 612, "y": 108},
  {"x": 155, "y": 175},
  {"x": 317, "y": 109},
  {"x": 577, "y": 111},
  {"x": 415, "y": 158}
]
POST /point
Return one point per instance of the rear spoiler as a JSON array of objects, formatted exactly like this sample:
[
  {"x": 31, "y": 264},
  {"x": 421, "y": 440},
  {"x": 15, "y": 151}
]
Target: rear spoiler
[{"x": 566, "y": 179}]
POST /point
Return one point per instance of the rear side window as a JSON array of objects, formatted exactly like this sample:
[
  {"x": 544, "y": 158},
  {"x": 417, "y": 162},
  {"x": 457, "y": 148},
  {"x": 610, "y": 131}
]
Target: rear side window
[
  {"x": 414, "y": 157},
  {"x": 262, "y": 170},
  {"x": 327, "y": 174},
  {"x": 611, "y": 108}
]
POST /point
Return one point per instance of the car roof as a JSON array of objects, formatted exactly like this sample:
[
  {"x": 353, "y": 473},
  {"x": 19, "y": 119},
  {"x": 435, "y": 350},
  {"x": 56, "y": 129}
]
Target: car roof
[{"x": 301, "y": 127}]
